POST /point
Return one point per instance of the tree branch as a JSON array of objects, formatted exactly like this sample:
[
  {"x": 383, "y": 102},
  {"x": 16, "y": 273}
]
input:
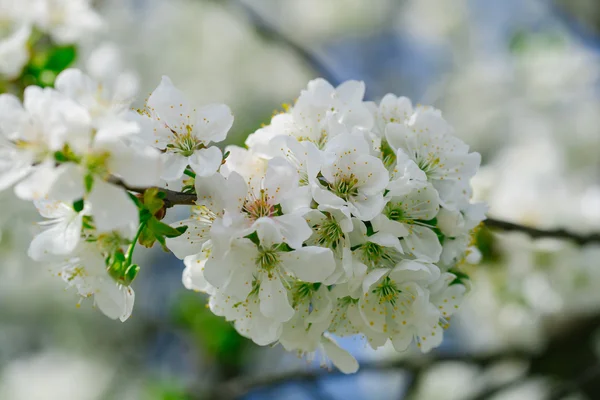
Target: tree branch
[
  {"x": 543, "y": 233},
  {"x": 270, "y": 32},
  {"x": 173, "y": 198},
  {"x": 236, "y": 388}
]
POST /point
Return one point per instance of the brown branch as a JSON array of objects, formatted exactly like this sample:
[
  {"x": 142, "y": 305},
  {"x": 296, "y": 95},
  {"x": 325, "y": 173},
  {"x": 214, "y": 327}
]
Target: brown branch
[
  {"x": 543, "y": 233},
  {"x": 173, "y": 198}
]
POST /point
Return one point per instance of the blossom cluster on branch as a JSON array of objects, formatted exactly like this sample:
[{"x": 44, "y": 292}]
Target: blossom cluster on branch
[{"x": 341, "y": 217}]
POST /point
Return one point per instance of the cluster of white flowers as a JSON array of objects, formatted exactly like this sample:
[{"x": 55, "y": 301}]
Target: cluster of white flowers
[
  {"x": 74, "y": 148},
  {"x": 65, "y": 21},
  {"x": 342, "y": 217}
]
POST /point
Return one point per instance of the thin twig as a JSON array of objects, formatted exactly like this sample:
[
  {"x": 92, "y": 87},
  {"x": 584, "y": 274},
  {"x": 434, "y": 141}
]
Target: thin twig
[{"x": 543, "y": 233}]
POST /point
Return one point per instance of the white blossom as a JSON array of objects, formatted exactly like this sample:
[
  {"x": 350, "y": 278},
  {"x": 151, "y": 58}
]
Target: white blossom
[{"x": 184, "y": 132}]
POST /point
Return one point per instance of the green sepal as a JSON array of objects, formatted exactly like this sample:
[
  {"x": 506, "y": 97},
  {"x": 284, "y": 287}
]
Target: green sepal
[
  {"x": 120, "y": 269},
  {"x": 130, "y": 274},
  {"x": 156, "y": 230},
  {"x": 162, "y": 229},
  {"x": 461, "y": 277},
  {"x": 78, "y": 205},
  {"x": 88, "y": 181},
  {"x": 152, "y": 201}
]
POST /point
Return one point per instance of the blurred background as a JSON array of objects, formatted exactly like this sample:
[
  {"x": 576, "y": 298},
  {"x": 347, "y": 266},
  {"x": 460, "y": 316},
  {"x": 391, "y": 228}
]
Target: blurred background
[{"x": 520, "y": 82}]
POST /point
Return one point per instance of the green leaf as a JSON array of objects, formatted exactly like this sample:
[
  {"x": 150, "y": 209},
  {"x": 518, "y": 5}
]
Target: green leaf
[
  {"x": 60, "y": 58},
  {"x": 162, "y": 229}
]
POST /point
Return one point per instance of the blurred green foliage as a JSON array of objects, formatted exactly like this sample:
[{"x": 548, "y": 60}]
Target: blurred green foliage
[
  {"x": 47, "y": 60},
  {"x": 211, "y": 333}
]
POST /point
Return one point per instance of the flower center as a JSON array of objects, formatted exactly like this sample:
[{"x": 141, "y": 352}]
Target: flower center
[
  {"x": 268, "y": 259},
  {"x": 329, "y": 233},
  {"x": 377, "y": 256},
  {"x": 96, "y": 163},
  {"x": 394, "y": 211},
  {"x": 259, "y": 207},
  {"x": 185, "y": 143},
  {"x": 428, "y": 163},
  {"x": 345, "y": 187},
  {"x": 387, "y": 292},
  {"x": 302, "y": 291}
]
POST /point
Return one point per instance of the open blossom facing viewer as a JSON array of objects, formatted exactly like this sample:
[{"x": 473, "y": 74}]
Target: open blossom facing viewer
[{"x": 183, "y": 132}]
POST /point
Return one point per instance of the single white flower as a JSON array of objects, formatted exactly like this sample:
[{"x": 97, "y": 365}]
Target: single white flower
[
  {"x": 353, "y": 179},
  {"x": 85, "y": 269},
  {"x": 405, "y": 215},
  {"x": 320, "y": 98},
  {"x": 396, "y": 303},
  {"x": 247, "y": 317},
  {"x": 106, "y": 92},
  {"x": 184, "y": 132},
  {"x": 272, "y": 207}
]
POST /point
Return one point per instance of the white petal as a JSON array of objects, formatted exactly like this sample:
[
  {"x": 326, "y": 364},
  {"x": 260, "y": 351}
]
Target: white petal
[
  {"x": 339, "y": 357},
  {"x": 111, "y": 207},
  {"x": 373, "y": 277},
  {"x": 367, "y": 207},
  {"x": 206, "y": 162},
  {"x": 139, "y": 166},
  {"x": 61, "y": 239},
  {"x": 422, "y": 242},
  {"x": 192, "y": 240},
  {"x": 309, "y": 264},
  {"x": 274, "y": 301},
  {"x": 171, "y": 106},
  {"x": 213, "y": 122},
  {"x": 398, "y": 136},
  {"x": 13, "y": 51},
  {"x": 68, "y": 186},
  {"x": 294, "y": 229},
  {"x": 37, "y": 185},
  {"x": 12, "y": 116},
  {"x": 115, "y": 301},
  {"x": 12, "y": 168},
  {"x": 281, "y": 177},
  {"x": 372, "y": 175},
  {"x": 173, "y": 166}
]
